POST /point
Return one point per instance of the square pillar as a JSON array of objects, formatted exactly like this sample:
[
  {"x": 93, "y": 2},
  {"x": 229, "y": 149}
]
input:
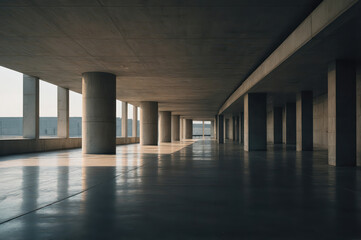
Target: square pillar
[
  {"x": 341, "y": 114},
  {"x": 289, "y": 124},
  {"x": 30, "y": 107},
  {"x": 241, "y": 128},
  {"x": 304, "y": 121},
  {"x": 277, "y": 125},
  {"x": 124, "y": 119},
  {"x": 255, "y": 122},
  {"x": 63, "y": 112},
  {"x": 220, "y": 129},
  {"x": 236, "y": 128},
  {"x": 358, "y": 114}
]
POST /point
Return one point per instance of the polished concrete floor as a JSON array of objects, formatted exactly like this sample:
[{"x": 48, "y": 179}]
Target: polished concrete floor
[{"x": 189, "y": 190}]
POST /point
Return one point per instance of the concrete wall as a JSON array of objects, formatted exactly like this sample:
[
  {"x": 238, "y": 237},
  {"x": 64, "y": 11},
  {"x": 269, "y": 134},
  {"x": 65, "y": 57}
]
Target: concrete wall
[
  {"x": 18, "y": 146},
  {"x": 320, "y": 122}
]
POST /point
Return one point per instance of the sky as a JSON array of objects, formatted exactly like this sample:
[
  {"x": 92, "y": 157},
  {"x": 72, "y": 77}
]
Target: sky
[{"x": 11, "y": 98}]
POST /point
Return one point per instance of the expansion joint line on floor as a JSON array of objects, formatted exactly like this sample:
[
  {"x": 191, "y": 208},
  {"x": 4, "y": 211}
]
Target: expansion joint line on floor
[{"x": 73, "y": 195}]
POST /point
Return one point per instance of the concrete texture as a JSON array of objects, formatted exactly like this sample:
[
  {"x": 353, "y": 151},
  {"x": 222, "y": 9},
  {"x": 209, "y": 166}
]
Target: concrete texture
[
  {"x": 124, "y": 119},
  {"x": 30, "y": 107},
  {"x": 320, "y": 122},
  {"x": 325, "y": 14},
  {"x": 277, "y": 125},
  {"x": 220, "y": 128},
  {"x": 175, "y": 128},
  {"x": 304, "y": 121},
  {"x": 68, "y": 195},
  {"x": 149, "y": 123},
  {"x": 165, "y": 126},
  {"x": 342, "y": 114},
  {"x": 99, "y": 113},
  {"x": 181, "y": 129},
  {"x": 229, "y": 128},
  {"x": 236, "y": 128},
  {"x": 255, "y": 122},
  {"x": 135, "y": 122},
  {"x": 241, "y": 128},
  {"x": 160, "y": 51},
  {"x": 188, "y": 128},
  {"x": 289, "y": 124},
  {"x": 358, "y": 115},
  {"x": 19, "y": 146},
  {"x": 63, "y": 112}
]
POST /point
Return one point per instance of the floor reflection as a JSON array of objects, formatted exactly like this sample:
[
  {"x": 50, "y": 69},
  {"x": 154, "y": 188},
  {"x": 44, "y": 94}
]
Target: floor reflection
[{"x": 187, "y": 190}]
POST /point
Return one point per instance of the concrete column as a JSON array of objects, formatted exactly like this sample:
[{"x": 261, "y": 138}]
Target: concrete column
[
  {"x": 241, "y": 128},
  {"x": 63, "y": 112},
  {"x": 124, "y": 119},
  {"x": 175, "y": 128},
  {"x": 135, "y": 122},
  {"x": 277, "y": 125},
  {"x": 99, "y": 112},
  {"x": 149, "y": 123},
  {"x": 30, "y": 107},
  {"x": 255, "y": 122},
  {"x": 358, "y": 114},
  {"x": 181, "y": 137},
  {"x": 230, "y": 128},
  {"x": 220, "y": 129},
  {"x": 189, "y": 129},
  {"x": 304, "y": 121},
  {"x": 289, "y": 124},
  {"x": 236, "y": 128},
  {"x": 165, "y": 126},
  {"x": 342, "y": 114}
]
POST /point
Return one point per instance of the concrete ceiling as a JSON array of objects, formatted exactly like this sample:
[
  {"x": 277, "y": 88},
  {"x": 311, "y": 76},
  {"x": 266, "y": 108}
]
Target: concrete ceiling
[
  {"x": 187, "y": 55},
  {"x": 307, "y": 69}
]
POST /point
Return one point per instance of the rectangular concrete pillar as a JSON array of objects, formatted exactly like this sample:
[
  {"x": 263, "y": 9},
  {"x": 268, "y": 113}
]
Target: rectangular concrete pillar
[
  {"x": 63, "y": 112},
  {"x": 30, "y": 107},
  {"x": 277, "y": 125},
  {"x": 236, "y": 128},
  {"x": 289, "y": 124},
  {"x": 358, "y": 114},
  {"x": 135, "y": 122},
  {"x": 255, "y": 122},
  {"x": 241, "y": 128},
  {"x": 341, "y": 114},
  {"x": 220, "y": 129},
  {"x": 124, "y": 119},
  {"x": 304, "y": 121}
]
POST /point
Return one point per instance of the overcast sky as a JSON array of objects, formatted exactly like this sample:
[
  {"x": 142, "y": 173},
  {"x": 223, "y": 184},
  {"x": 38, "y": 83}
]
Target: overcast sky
[{"x": 11, "y": 97}]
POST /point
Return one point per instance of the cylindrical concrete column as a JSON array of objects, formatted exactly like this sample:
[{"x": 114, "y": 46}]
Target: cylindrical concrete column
[
  {"x": 189, "y": 129},
  {"x": 175, "y": 128},
  {"x": 30, "y": 107},
  {"x": 63, "y": 112},
  {"x": 181, "y": 123},
  {"x": 149, "y": 123},
  {"x": 98, "y": 122},
  {"x": 135, "y": 122},
  {"x": 165, "y": 126},
  {"x": 124, "y": 119}
]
